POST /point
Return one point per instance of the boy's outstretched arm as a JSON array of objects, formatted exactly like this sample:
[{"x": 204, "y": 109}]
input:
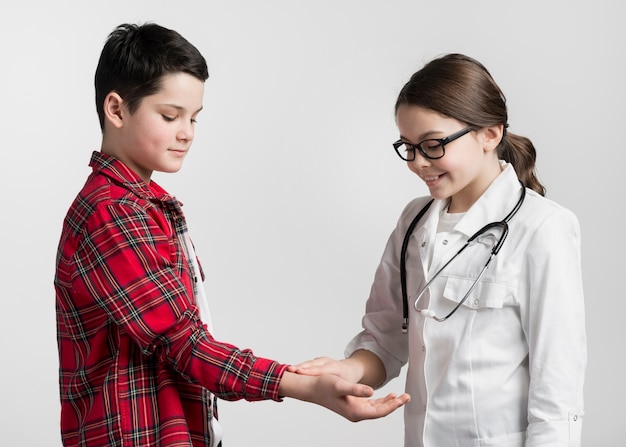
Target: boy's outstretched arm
[{"x": 350, "y": 400}]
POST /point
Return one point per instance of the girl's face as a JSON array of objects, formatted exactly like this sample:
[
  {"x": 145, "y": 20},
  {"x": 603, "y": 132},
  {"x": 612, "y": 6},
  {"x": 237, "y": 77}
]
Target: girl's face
[{"x": 470, "y": 162}]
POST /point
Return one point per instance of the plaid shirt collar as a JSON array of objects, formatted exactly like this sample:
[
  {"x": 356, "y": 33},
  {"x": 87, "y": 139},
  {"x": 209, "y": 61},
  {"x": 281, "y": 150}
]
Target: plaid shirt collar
[{"x": 118, "y": 172}]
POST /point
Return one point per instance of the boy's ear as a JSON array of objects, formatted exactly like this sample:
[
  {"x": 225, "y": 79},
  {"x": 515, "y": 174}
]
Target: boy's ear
[
  {"x": 114, "y": 109},
  {"x": 492, "y": 136}
]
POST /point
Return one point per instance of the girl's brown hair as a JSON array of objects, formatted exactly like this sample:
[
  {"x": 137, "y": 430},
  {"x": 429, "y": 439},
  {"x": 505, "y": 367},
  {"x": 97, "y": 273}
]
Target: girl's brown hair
[{"x": 460, "y": 87}]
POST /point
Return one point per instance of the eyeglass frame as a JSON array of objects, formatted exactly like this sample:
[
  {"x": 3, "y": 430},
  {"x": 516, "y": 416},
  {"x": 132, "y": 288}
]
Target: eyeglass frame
[{"x": 442, "y": 142}]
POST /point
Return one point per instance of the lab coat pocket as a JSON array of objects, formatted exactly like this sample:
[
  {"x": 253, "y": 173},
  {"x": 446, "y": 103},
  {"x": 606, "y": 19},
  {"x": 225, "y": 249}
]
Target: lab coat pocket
[{"x": 486, "y": 294}]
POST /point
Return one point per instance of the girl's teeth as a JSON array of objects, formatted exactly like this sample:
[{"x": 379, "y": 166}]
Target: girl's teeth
[{"x": 431, "y": 179}]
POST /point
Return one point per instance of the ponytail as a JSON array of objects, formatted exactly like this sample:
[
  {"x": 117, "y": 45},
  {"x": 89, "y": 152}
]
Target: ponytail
[{"x": 520, "y": 152}]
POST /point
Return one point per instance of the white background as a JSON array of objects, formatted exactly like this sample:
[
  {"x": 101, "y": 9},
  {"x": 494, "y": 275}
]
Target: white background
[{"x": 292, "y": 186}]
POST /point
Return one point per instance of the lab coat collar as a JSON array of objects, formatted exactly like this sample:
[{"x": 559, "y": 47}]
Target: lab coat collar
[{"x": 494, "y": 204}]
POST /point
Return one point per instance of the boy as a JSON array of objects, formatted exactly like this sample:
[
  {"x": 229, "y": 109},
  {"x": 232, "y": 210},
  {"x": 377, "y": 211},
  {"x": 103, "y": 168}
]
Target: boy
[{"x": 138, "y": 364}]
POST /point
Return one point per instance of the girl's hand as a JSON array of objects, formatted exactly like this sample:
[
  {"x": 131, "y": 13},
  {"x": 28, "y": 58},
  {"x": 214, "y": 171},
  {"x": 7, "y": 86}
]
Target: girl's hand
[
  {"x": 327, "y": 365},
  {"x": 361, "y": 367}
]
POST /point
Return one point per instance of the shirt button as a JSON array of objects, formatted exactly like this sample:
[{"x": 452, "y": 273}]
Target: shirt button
[
  {"x": 476, "y": 301},
  {"x": 423, "y": 348},
  {"x": 445, "y": 242},
  {"x": 423, "y": 244}
]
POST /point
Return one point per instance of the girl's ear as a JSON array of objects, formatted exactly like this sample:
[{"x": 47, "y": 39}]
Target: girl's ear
[
  {"x": 114, "y": 110},
  {"x": 492, "y": 136}
]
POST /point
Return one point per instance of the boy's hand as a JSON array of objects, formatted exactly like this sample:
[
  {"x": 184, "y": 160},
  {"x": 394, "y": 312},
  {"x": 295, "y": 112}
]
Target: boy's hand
[{"x": 350, "y": 400}]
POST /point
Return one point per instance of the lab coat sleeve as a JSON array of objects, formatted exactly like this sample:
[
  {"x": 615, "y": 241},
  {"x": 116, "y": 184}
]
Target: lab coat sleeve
[
  {"x": 554, "y": 323},
  {"x": 382, "y": 324}
]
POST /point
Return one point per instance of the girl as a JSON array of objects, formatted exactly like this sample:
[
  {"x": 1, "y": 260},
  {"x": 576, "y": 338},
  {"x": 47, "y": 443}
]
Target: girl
[{"x": 494, "y": 332}]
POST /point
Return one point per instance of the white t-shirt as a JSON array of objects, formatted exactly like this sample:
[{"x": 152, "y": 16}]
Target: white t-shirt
[{"x": 205, "y": 315}]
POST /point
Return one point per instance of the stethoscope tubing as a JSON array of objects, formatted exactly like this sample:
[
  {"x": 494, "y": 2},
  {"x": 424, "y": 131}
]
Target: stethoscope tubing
[{"x": 494, "y": 251}]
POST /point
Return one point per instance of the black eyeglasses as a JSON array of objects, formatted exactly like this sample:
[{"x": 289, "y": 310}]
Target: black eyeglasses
[{"x": 432, "y": 148}]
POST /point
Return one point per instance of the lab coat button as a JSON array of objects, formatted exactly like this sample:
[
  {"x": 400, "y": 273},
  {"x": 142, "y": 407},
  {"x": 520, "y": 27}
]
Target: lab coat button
[
  {"x": 445, "y": 242},
  {"x": 423, "y": 244},
  {"x": 476, "y": 301},
  {"x": 423, "y": 348}
]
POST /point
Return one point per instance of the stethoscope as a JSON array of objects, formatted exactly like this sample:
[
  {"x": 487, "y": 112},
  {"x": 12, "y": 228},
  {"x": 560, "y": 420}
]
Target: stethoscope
[{"x": 502, "y": 225}]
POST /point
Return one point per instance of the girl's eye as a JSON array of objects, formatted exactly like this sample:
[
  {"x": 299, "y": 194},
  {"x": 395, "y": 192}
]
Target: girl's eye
[
  {"x": 168, "y": 118},
  {"x": 431, "y": 145}
]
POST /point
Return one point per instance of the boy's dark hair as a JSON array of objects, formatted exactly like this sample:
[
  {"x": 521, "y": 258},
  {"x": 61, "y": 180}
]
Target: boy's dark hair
[{"x": 136, "y": 57}]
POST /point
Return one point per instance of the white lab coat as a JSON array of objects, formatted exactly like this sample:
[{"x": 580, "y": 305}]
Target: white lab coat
[{"x": 507, "y": 369}]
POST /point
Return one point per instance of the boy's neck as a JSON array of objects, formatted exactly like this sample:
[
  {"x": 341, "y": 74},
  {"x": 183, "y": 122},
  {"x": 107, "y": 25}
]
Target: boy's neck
[{"x": 145, "y": 175}]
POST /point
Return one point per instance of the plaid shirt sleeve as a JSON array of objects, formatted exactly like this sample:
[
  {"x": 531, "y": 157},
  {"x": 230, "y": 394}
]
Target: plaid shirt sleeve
[{"x": 130, "y": 264}]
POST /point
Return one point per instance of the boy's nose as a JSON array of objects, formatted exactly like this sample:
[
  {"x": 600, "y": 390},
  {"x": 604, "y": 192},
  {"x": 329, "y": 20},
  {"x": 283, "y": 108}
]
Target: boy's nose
[{"x": 186, "y": 132}]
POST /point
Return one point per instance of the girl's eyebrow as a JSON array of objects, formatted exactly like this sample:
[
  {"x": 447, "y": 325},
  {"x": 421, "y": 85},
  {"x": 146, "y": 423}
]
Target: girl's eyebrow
[{"x": 423, "y": 136}]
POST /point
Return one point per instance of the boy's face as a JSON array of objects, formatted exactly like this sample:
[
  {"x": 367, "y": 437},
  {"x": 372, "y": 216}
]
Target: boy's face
[{"x": 158, "y": 135}]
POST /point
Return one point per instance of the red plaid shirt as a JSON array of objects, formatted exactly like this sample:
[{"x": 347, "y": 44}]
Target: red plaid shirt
[{"x": 136, "y": 362}]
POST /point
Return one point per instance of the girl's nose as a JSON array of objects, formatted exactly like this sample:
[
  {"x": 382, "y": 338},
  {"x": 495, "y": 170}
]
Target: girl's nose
[{"x": 419, "y": 161}]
